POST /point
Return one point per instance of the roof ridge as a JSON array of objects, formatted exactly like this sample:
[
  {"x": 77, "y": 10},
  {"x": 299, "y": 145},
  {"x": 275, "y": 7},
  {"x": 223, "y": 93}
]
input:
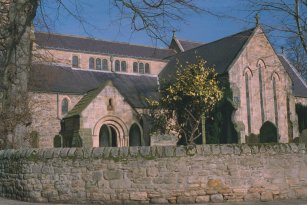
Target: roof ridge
[
  {"x": 190, "y": 41},
  {"x": 293, "y": 68},
  {"x": 102, "y": 40},
  {"x": 253, "y": 28}
]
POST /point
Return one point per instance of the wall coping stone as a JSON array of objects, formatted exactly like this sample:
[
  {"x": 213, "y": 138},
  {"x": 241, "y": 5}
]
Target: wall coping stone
[{"x": 153, "y": 152}]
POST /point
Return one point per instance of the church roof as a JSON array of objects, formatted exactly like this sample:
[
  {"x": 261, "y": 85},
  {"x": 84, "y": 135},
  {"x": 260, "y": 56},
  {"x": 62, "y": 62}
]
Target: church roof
[
  {"x": 61, "y": 79},
  {"x": 299, "y": 86},
  {"x": 220, "y": 54},
  {"x": 187, "y": 45},
  {"x": 86, "y": 100},
  {"x": 91, "y": 45}
]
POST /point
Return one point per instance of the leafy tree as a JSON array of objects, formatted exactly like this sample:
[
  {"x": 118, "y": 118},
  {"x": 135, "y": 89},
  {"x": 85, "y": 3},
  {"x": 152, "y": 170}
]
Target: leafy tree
[{"x": 185, "y": 103}]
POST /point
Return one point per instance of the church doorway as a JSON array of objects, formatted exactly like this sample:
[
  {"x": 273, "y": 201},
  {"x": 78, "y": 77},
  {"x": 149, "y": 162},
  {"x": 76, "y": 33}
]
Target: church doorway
[{"x": 107, "y": 136}]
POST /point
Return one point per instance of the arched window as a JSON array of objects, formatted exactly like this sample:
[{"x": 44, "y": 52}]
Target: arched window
[
  {"x": 117, "y": 66},
  {"x": 105, "y": 64},
  {"x": 135, "y": 136},
  {"x": 75, "y": 61},
  {"x": 248, "y": 108},
  {"x": 64, "y": 106},
  {"x": 275, "y": 100},
  {"x": 147, "y": 70},
  {"x": 261, "y": 89},
  {"x": 91, "y": 63},
  {"x": 135, "y": 67},
  {"x": 141, "y": 68},
  {"x": 98, "y": 63},
  {"x": 123, "y": 66}
]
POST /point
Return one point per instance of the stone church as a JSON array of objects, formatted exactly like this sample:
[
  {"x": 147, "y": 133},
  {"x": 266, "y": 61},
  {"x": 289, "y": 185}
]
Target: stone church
[{"x": 89, "y": 92}]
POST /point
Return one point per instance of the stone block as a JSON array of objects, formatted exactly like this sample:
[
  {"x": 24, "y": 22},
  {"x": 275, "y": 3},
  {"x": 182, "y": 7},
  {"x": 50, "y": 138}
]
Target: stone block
[
  {"x": 245, "y": 149},
  {"x": 199, "y": 149},
  {"x": 266, "y": 196},
  {"x": 252, "y": 197},
  {"x": 217, "y": 198},
  {"x": 98, "y": 152},
  {"x": 202, "y": 199},
  {"x": 134, "y": 151},
  {"x": 48, "y": 154},
  {"x": 112, "y": 174},
  {"x": 302, "y": 148},
  {"x": 215, "y": 149},
  {"x": 114, "y": 152},
  {"x": 294, "y": 147},
  {"x": 158, "y": 201},
  {"x": 180, "y": 151},
  {"x": 124, "y": 152},
  {"x": 152, "y": 172},
  {"x": 106, "y": 152},
  {"x": 207, "y": 150},
  {"x": 64, "y": 152},
  {"x": 186, "y": 199},
  {"x": 138, "y": 196},
  {"x": 71, "y": 152},
  {"x": 145, "y": 151},
  {"x": 169, "y": 151},
  {"x": 226, "y": 149}
]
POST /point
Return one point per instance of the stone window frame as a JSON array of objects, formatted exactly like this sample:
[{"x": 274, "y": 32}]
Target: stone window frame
[
  {"x": 261, "y": 66},
  {"x": 98, "y": 64},
  {"x": 248, "y": 97},
  {"x": 119, "y": 66},
  {"x": 91, "y": 63},
  {"x": 145, "y": 67},
  {"x": 104, "y": 64},
  {"x": 74, "y": 64},
  {"x": 61, "y": 98},
  {"x": 275, "y": 78},
  {"x": 141, "y": 132}
]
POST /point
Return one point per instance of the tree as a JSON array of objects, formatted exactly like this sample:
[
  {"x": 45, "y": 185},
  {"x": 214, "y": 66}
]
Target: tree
[
  {"x": 16, "y": 38},
  {"x": 290, "y": 22},
  {"x": 183, "y": 103}
]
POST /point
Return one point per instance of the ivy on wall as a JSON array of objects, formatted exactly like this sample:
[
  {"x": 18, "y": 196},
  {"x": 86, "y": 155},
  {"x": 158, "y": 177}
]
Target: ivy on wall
[{"x": 219, "y": 127}]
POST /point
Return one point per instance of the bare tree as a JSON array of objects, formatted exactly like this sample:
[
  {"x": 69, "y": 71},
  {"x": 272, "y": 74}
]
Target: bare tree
[
  {"x": 290, "y": 18},
  {"x": 16, "y": 17}
]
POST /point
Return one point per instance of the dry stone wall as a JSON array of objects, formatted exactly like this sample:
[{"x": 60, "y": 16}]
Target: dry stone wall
[{"x": 168, "y": 174}]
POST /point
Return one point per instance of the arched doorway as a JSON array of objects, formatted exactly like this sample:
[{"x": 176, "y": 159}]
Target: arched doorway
[
  {"x": 268, "y": 133},
  {"x": 107, "y": 136},
  {"x": 135, "y": 136}
]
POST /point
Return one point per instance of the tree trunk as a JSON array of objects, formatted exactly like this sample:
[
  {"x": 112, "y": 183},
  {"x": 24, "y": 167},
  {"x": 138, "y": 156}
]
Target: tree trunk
[
  {"x": 16, "y": 39},
  {"x": 203, "y": 128}
]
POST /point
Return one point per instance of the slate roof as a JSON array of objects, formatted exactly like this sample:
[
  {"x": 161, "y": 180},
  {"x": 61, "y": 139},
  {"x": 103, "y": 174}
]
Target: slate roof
[
  {"x": 299, "y": 86},
  {"x": 90, "y": 45},
  {"x": 220, "y": 54},
  {"x": 187, "y": 45},
  {"x": 86, "y": 100},
  {"x": 61, "y": 79}
]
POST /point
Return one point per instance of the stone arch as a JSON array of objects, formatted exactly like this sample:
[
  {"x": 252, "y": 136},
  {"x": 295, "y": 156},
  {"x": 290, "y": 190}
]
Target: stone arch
[
  {"x": 248, "y": 74},
  {"x": 261, "y": 63},
  {"x": 248, "y": 71},
  {"x": 136, "y": 135},
  {"x": 261, "y": 75},
  {"x": 268, "y": 133},
  {"x": 117, "y": 124},
  {"x": 276, "y": 75}
]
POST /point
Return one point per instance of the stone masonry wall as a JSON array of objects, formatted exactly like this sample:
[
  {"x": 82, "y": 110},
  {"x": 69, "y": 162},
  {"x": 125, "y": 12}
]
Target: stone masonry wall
[
  {"x": 46, "y": 114},
  {"x": 170, "y": 174}
]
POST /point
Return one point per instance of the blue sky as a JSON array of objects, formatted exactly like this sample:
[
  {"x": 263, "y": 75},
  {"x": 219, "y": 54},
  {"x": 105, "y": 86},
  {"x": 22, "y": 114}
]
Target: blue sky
[{"x": 103, "y": 21}]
